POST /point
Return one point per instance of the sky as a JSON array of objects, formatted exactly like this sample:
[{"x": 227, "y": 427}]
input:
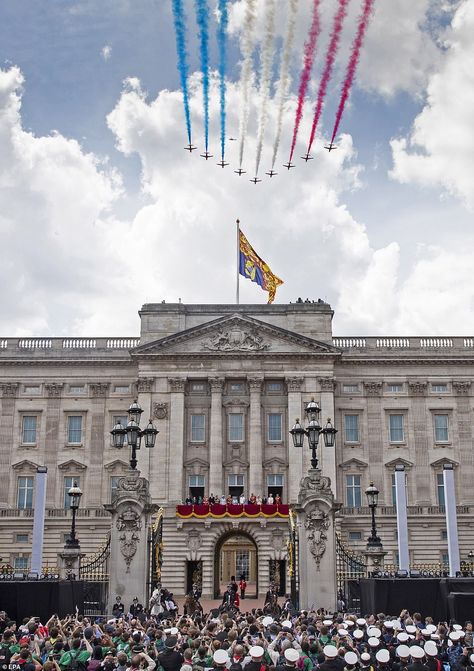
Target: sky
[{"x": 102, "y": 211}]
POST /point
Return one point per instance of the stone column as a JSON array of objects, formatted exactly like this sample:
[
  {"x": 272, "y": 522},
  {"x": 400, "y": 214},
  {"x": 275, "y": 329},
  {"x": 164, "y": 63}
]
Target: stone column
[
  {"x": 465, "y": 494},
  {"x": 374, "y": 558},
  {"x": 176, "y": 441},
  {"x": 422, "y": 441},
  {"x": 70, "y": 561},
  {"x": 402, "y": 523},
  {"x": 144, "y": 389},
  {"x": 295, "y": 455},
  {"x": 315, "y": 512},
  {"x": 38, "y": 520},
  {"x": 9, "y": 391},
  {"x": 95, "y": 495},
  {"x": 375, "y": 418},
  {"x": 255, "y": 437},
  {"x": 216, "y": 438},
  {"x": 328, "y": 455},
  {"x": 53, "y": 450},
  {"x": 131, "y": 512}
]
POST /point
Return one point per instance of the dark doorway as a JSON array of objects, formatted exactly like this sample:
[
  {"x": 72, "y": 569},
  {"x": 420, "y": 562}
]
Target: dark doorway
[
  {"x": 236, "y": 554},
  {"x": 193, "y": 575},
  {"x": 278, "y": 574}
]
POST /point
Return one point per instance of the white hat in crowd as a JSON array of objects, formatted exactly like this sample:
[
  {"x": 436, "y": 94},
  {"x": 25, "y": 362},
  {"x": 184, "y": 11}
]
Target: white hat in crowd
[
  {"x": 267, "y": 621},
  {"x": 286, "y": 623},
  {"x": 402, "y": 637},
  {"x": 374, "y": 631},
  {"x": 382, "y": 656},
  {"x": 431, "y": 628},
  {"x": 358, "y": 633},
  {"x": 292, "y": 655},
  {"x": 471, "y": 657},
  {"x": 431, "y": 648},
  {"x": 256, "y": 651},
  {"x": 403, "y": 651},
  {"x": 373, "y": 642},
  {"x": 361, "y": 621},
  {"x": 330, "y": 651},
  {"x": 220, "y": 657},
  {"x": 365, "y": 657},
  {"x": 416, "y": 652},
  {"x": 410, "y": 629},
  {"x": 351, "y": 658},
  {"x": 328, "y": 623}
]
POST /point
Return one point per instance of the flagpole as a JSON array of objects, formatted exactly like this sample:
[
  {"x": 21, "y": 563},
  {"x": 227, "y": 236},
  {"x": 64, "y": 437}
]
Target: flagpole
[{"x": 238, "y": 262}]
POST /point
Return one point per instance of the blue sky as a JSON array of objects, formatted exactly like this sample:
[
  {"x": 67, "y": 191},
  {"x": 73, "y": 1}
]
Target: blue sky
[{"x": 93, "y": 171}]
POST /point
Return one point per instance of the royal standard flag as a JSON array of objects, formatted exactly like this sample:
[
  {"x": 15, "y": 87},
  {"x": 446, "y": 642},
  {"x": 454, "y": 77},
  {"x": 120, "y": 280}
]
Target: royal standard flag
[{"x": 255, "y": 269}]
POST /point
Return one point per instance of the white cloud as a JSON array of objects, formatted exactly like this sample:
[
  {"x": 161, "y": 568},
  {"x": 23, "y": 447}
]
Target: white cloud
[
  {"x": 440, "y": 148},
  {"x": 55, "y": 205},
  {"x": 106, "y": 52}
]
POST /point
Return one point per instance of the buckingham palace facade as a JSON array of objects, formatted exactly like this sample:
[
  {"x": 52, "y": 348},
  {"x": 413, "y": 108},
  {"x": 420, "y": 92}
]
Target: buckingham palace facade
[{"x": 224, "y": 384}]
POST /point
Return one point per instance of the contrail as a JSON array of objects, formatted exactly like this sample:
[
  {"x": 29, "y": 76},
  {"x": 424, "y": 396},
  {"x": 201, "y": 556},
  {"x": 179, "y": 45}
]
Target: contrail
[
  {"x": 284, "y": 83},
  {"x": 309, "y": 52},
  {"x": 223, "y": 19},
  {"x": 327, "y": 72},
  {"x": 353, "y": 61},
  {"x": 180, "y": 30},
  {"x": 246, "y": 74},
  {"x": 202, "y": 16},
  {"x": 266, "y": 61}
]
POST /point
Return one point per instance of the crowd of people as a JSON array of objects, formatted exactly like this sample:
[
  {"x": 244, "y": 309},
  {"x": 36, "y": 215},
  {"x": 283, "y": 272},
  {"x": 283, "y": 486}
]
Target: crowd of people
[
  {"x": 233, "y": 499},
  {"x": 294, "y": 641}
]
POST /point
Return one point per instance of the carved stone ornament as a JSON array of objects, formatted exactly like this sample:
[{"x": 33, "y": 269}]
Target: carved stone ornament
[
  {"x": 54, "y": 388},
  {"x": 132, "y": 483},
  {"x": 255, "y": 383},
  {"x": 294, "y": 383},
  {"x": 98, "y": 389},
  {"x": 462, "y": 387},
  {"x": 277, "y": 539},
  {"x": 145, "y": 384},
  {"x": 216, "y": 384},
  {"x": 129, "y": 520},
  {"x": 9, "y": 389},
  {"x": 128, "y": 546},
  {"x": 177, "y": 384},
  {"x": 326, "y": 383},
  {"x": 317, "y": 523},
  {"x": 160, "y": 410},
  {"x": 236, "y": 340},
  {"x": 417, "y": 388},
  {"x": 373, "y": 388},
  {"x": 315, "y": 482},
  {"x": 194, "y": 540}
]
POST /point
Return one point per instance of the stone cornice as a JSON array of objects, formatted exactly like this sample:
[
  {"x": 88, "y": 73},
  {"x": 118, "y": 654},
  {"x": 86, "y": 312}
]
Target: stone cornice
[
  {"x": 98, "y": 389},
  {"x": 417, "y": 387},
  {"x": 462, "y": 387},
  {"x": 9, "y": 389},
  {"x": 177, "y": 384},
  {"x": 372, "y": 387}
]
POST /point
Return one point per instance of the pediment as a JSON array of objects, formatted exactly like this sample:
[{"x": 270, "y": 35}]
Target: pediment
[
  {"x": 269, "y": 463},
  {"x": 197, "y": 462},
  {"x": 25, "y": 465},
  {"x": 439, "y": 463},
  {"x": 399, "y": 462},
  {"x": 235, "y": 334},
  {"x": 72, "y": 465},
  {"x": 117, "y": 465},
  {"x": 353, "y": 464}
]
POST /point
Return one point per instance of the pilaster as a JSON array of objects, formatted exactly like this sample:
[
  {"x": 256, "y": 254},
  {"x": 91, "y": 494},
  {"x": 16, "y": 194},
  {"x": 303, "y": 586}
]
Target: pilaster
[
  {"x": 375, "y": 418},
  {"x": 465, "y": 494},
  {"x": 417, "y": 390},
  {"x": 216, "y": 437},
  {"x": 9, "y": 392},
  {"x": 176, "y": 441},
  {"x": 98, "y": 391},
  {"x": 54, "y": 441},
  {"x": 255, "y": 436},
  {"x": 328, "y": 456},
  {"x": 295, "y": 455}
]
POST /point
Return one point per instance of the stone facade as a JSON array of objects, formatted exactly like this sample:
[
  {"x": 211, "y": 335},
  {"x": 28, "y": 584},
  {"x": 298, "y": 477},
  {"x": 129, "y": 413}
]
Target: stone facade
[{"x": 224, "y": 384}]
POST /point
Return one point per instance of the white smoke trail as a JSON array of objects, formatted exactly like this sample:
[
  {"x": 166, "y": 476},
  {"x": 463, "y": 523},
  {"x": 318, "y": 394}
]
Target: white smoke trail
[
  {"x": 266, "y": 60},
  {"x": 246, "y": 74},
  {"x": 284, "y": 83}
]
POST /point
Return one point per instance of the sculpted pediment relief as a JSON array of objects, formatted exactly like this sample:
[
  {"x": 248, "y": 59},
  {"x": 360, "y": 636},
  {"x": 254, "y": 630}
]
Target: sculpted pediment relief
[
  {"x": 72, "y": 465},
  {"x": 237, "y": 334},
  {"x": 353, "y": 464}
]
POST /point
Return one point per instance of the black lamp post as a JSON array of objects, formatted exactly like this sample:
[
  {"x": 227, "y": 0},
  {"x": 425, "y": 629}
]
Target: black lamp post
[
  {"x": 134, "y": 433},
  {"x": 313, "y": 431},
  {"x": 74, "y": 494},
  {"x": 372, "y": 494}
]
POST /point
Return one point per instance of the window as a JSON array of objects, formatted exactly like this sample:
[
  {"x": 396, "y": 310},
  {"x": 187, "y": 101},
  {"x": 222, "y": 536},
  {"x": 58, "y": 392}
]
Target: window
[
  {"x": 351, "y": 428},
  {"x": 76, "y": 388},
  {"x": 236, "y": 427},
  {"x": 28, "y": 429},
  {"x": 439, "y": 388},
  {"x": 123, "y": 419},
  {"x": 198, "y": 387},
  {"x": 236, "y": 387},
  {"x": 198, "y": 428},
  {"x": 114, "y": 480},
  {"x": 25, "y": 491},
  {"x": 353, "y": 491},
  {"x": 196, "y": 486},
  {"x": 396, "y": 432},
  {"x": 350, "y": 388},
  {"x": 121, "y": 388},
  {"x": 274, "y": 386},
  {"x": 21, "y": 538},
  {"x": 441, "y": 428},
  {"x": 275, "y": 484},
  {"x": 236, "y": 484},
  {"x": 69, "y": 481},
  {"x": 274, "y": 427},
  {"x": 394, "y": 388},
  {"x": 440, "y": 489},
  {"x": 20, "y": 563},
  {"x": 444, "y": 535},
  {"x": 355, "y": 535},
  {"x": 31, "y": 389},
  {"x": 74, "y": 429},
  {"x": 445, "y": 559}
]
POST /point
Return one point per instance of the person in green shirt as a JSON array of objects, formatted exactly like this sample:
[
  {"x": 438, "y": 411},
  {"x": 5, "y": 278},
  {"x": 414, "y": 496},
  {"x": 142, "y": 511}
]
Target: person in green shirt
[{"x": 76, "y": 653}]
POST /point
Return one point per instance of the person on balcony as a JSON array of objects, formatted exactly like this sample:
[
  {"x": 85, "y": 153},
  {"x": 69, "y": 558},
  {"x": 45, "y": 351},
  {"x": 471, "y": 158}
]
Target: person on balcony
[
  {"x": 277, "y": 499},
  {"x": 253, "y": 499},
  {"x": 242, "y": 499},
  {"x": 270, "y": 499}
]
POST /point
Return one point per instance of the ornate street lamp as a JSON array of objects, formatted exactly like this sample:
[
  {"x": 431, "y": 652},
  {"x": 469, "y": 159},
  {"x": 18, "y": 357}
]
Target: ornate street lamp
[
  {"x": 313, "y": 430},
  {"x": 74, "y": 494},
  {"x": 134, "y": 433},
  {"x": 372, "y": 494}
]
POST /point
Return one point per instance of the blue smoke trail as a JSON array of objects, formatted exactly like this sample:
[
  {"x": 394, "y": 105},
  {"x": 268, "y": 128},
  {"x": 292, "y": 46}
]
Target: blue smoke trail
[
  {"x": 180, "y": 29},
  {"x": 202, "y": 16},
  {"x": 223, "y": 20}
]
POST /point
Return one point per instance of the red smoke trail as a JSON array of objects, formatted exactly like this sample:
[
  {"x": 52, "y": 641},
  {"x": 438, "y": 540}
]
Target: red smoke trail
[
  {"x": 327, "y": 72},
  {"x": 353, "y": 60},
  {"x": 309, "y": 52}
]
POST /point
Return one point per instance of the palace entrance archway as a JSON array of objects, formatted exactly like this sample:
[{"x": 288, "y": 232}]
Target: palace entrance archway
[{"x": 236, "y": 554}]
